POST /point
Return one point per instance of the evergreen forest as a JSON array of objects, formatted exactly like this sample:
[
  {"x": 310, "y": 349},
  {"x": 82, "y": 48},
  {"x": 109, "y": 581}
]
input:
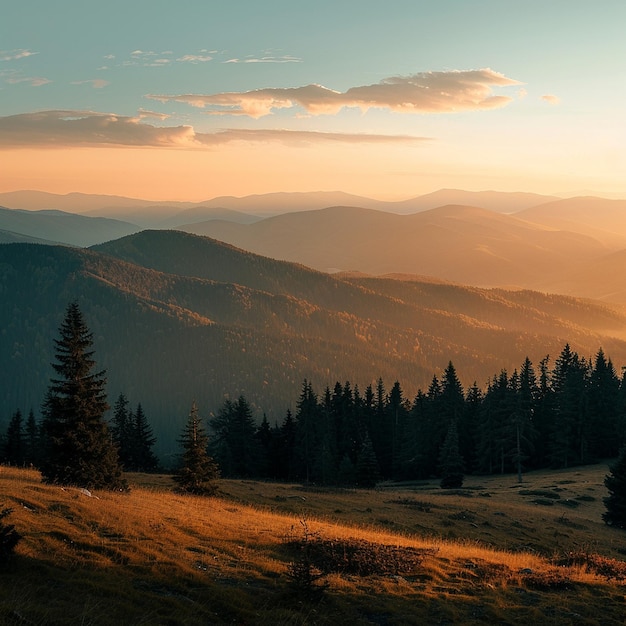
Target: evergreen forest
[
  {"x": 552, "y": 415},
  {"x": 567, "y": 414}
]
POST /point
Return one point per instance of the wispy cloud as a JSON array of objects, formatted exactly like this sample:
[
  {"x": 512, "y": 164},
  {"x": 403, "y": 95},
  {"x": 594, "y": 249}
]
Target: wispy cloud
[
  {"x": 12, "y": 55},
  {"x": 266, "y": 59},
  {"x": 88, "y": 128},
  {"x": 33, "y": 81},
  {"x": 195, "y": 58},
  {"x": 295, "y": 137},
  {"x": 96, "y": 83},
  {"x": 145, "y": 113},
  {"x": 427, "y": 92},
  {"x": 149, "y": 58},
  {"x": 551, "y": 99}
]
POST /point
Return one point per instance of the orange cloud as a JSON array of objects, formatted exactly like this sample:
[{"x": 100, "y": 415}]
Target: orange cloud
[
  {"x": 72, "y": 128},
  {"x": 427, "y": 92},
  {"x": 88, "y": 128}
]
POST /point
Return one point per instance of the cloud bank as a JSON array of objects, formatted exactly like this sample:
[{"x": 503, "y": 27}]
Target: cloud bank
[
  {"x": 87, "y": 128},
  {"x": 426, "y": 92}
]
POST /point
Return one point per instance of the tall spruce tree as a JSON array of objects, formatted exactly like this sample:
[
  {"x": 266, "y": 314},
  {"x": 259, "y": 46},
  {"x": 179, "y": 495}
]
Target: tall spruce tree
[
  {"x": 144, "y": 460},
  {"x": 603, "y": 417},
  {"x": 198, "y": 472},
  {"x": 15, "y": 444},
  {"x": 307, "y": 441},
  {"x": 526, "y": 394},
  {"x": 78, "y": 446},
  {"x": 235, "y": 446},
  {"x": 121, "y": 431}
]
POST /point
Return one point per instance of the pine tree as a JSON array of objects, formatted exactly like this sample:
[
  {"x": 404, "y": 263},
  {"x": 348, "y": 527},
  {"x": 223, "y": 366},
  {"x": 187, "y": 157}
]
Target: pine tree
[
  {"x": 615, "y": 502},
  {"x": 78, "y": 446},
  {"x": 525, "y": 400},
  {"x": 265, "y": 439},
  {"x": 236, "y": 447},
  {"x": 568, "y": 441},
  {"x": 468, "y": 435},
  {"x": 121, "y": 431},
  {"x": 450, "y": 460},
  {"x": 287, "y": 446},
  {"x": 14, "y": 446},
  {"x": 307, "y": 442},
  {"x": 144, "y": 460},
  {"x": 199, "y": 472},
  {"x": 603, "y": 418}
]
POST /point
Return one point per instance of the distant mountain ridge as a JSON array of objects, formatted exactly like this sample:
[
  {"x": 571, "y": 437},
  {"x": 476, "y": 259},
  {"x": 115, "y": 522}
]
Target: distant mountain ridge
[
  {"x": 467, "y": 245},
  {"x": 269, "y": 204},
  {"x": 59, "y": 226}
]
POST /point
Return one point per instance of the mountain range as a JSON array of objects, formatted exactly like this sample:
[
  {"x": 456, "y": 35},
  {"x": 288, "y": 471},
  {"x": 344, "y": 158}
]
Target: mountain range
[
  {"x": 488, "y": 239},
  {"x": 150, "y": 212},
  {"x": 569, "y": 246},
  {"x": 178, "y": 317}
]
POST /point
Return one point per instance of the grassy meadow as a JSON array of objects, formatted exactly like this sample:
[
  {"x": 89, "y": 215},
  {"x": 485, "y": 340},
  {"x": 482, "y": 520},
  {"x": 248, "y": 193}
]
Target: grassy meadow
[{"x": 494, "y": 552}]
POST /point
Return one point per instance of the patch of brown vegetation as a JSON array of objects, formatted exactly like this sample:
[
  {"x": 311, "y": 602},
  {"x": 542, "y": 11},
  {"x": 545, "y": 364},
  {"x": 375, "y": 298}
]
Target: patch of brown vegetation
[{"x": 359, "y": 557}]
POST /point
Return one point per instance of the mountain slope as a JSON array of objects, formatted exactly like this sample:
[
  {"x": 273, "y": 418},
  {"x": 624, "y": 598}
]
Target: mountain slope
[
  {"x": 463, "y": 244},
  {"x": 203, "y": 213},
  {"x": 603, "y": 219},
  {"x": 601, "y": 279},
  {"x": 7, "y": 236},
  {"x": 178, "y": 317},
  {"x": 67, "y": 228}
]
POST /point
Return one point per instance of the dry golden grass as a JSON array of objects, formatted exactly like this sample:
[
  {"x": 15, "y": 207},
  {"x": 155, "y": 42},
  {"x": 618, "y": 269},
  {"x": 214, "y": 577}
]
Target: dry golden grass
[{"x": 155, "y": 557}]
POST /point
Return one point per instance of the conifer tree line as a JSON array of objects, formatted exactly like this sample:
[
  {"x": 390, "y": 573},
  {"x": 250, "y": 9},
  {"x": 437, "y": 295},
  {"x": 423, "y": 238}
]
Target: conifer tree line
[
  {"x": 572, "y": 413},
  {"x": 24, "y": 441}
]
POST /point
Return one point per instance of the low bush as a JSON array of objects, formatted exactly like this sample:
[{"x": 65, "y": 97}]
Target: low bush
[{"x": 9, "y": 537}]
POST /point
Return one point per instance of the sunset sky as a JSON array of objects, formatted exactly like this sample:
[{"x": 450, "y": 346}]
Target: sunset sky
[{"x": 189, "y": 100}]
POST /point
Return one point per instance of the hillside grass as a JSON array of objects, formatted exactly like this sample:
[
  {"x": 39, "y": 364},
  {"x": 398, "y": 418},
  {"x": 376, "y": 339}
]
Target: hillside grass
[{"x": 493, "y": 552}]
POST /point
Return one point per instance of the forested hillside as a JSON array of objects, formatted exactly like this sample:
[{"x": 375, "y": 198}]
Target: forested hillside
[{"x": 178, "y": 317}]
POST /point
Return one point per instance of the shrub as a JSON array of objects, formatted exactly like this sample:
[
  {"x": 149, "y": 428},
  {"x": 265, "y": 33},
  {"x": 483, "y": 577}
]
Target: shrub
[{"x": 9, "y": 537}]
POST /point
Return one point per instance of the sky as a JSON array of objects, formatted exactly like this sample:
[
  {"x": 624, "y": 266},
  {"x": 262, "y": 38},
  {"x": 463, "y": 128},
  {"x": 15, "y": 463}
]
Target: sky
[{"x": 194, "y": 99}]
